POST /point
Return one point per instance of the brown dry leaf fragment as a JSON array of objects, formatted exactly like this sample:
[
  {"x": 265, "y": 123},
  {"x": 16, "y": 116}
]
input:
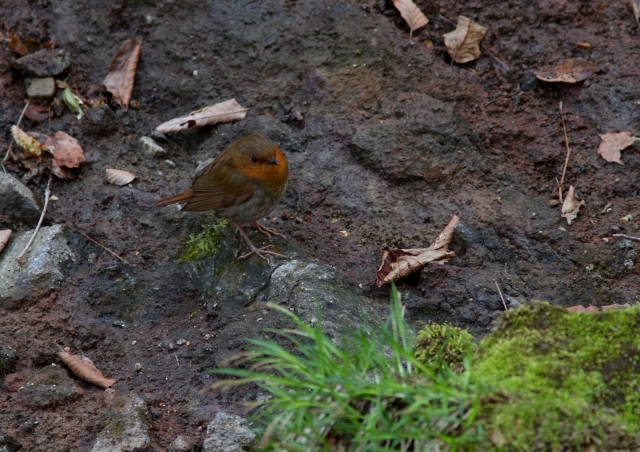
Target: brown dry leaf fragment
[
  {"x": 571, "y": 205},
  {"x": 80, "y": 366},
  {"x": 411, "y": 14},
  {"x": 571, "y": 71},
  {"x": 65, "y": 150},
  {"x": 613, "y": 143},
  {"x": 16, "y": 44},
  {"x": 463, "y": 43},
  {"x": 4, "y": 238},
  {"x": 580, "y": 308},
  {"x": 227, "y": 111},
  {"x": 635, "y": 6},
  {"x": 122, "y": 72},
  {"x": 615, "y": 306},
  {"x": 119, "y": 177},
  {"x": 398, "y": 263},
  {"x": 37, "y": 113},
  {"x": 31, "y": 146}
]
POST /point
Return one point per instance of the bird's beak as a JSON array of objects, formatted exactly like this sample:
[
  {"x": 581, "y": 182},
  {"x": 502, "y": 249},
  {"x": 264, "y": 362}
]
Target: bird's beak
[{"x": 273, "y": 161}]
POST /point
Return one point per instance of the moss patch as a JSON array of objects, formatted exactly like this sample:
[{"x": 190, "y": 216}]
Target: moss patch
[
  {"x": 443, "y": 347},
  {"x": 564, "y": 381},
  {"x": 204, "y": 244}
]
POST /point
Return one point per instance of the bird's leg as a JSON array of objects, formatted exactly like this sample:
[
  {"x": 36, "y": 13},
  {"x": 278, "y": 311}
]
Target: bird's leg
[
  {"x": 260, "y": 252},
  {"x": 264, "y": 230}
]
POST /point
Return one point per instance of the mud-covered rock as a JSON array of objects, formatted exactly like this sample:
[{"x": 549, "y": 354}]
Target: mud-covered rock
[
  {"x": 8, "y": 360},
  {"x": 44, "y": 63},
  {"x": 228, "y": 433},
  {"x": 19, "y": 204},
  {"x": 49, "y": 387},
  {"x": 183, "y": 444},
  {"x": 100, "y": 121},
  {"x": 42, "y": 270},
  {"x": 127, "y": 431}
]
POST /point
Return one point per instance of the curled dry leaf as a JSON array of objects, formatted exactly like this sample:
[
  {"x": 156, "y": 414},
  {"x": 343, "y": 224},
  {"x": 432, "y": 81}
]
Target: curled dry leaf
[
  {"x": 398, "y": 263},
  {"x": 580, "y": 308},
  {"x": 84, "y": 368},
  {"x": 119, "y": 177},
  {"x": 571, "y": 205},
  {"x": 571, "y": 71},
  {"x": 463, "y": 43},
  {"x": 227, "y": 111},
  {"x": 4, "y": 238},
  {"x": 122, "y": 72},
  {"x": 411, "y": 14},
  {"x": 31, "y": 146},
  {"x": 65, "y": 150},
  {"x": 17, "y": 45},
  {"x": 613, "y": 143}
]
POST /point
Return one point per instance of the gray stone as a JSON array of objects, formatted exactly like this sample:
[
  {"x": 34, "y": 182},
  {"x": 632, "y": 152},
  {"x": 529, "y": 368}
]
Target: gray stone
[
  {"x": 8, "y": 360},
  {"x": 51, "y": 386},
  {"x": 18, "y": 202},
  {"x": 151, "y": 149},
  {"x": 42, "y": 270},
  {"x": 44, "y": 63},
  {"x": 228, "y": 433},
  {"x": 42, "y": 89},
  {"x": 128, "y": 430},
  {"x": 182, "y": 444},
  {"x": 100, "y": 121}
]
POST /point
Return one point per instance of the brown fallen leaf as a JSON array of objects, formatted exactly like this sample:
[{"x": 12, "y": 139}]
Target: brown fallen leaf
[
  {"x": 84, "y": 368},
  {"x": 613, "y": 143},
  {"x": 463, "y": 43},
  {"x": 227, "y": 111},
  {"x": 398, "y": 263},
  {"x": 615, "y": 306},
  {"x": 635, "y": 6},
  {"x": 571, "y": 71},
  {"x": 571, "y": 205},
  {"x": 119, "y": 177},
  {"x": 16, "y": 44},
  {"x": 65, "y": 150},
  {"x": 122, "y": 72},
  {"x": 37, "y": 113},
  {"x": 411, "y": 14},
  {"x": 4, "y": 238},
  {"x": 580, "y": 308}
]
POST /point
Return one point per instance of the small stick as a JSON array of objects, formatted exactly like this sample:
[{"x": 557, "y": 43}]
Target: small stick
[
  {"x": 500, "y": 292},
  {"x": 105, "y": 248},
  {"x": 6, "y": 156},
  {"x": 47, "y": 192},
  {"x": 625, "y": 236},
  {"x": 566, "y": 160},
  {"x": 177, "y": 359}
]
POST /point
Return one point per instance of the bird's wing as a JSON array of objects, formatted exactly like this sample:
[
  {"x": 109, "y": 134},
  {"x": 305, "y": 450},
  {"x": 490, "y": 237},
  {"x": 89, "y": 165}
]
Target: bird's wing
[{"x": 219, "y": 187}]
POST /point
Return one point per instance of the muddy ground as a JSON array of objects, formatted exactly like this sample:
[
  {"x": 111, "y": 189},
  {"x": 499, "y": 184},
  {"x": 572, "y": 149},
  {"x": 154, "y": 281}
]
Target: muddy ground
[{"x": 395, "y": 140}]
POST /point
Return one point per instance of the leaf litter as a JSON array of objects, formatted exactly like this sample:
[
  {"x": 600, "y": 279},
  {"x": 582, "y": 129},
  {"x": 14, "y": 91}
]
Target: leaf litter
[
  {"x": 571, "y": 71},
  {"x": 411, "y": 14},
  {"x": 84, "y": 368},
  {"x": 571, "y": 206},
  {"x": 463, "y": 43},
  {"x": 227, "y": 111},
  {"x": 119, "y": 177},
  {"x": 613, "y": 143},
  {"x": 122, "y": 72},
  {"x": 4, "y": 238}
]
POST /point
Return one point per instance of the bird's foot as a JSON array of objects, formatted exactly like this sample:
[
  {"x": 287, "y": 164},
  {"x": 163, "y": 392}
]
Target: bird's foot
[
  {"x": 265, "y": 230},
  {"x": 262, "y": 252}
]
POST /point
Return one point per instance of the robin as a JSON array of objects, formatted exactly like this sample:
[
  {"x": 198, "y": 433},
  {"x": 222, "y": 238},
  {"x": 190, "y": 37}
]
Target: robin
[{"x": 243, "y": 184}]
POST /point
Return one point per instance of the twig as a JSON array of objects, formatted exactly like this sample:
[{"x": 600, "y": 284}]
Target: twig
[
  {"x": 47, "y": 192},
  {"x": 500, "y": 292},
  {"x": 6, "y": 156},
  {"x": 566, "y": 160},
  {"x": 105, "y": 248},
  {"x": 177, "y": 359},
  {"x": 625, "y": 236}
]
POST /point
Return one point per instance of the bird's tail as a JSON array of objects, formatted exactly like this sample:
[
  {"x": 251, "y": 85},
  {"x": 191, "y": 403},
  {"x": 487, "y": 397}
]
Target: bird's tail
[{"x": 174, "y": 199}]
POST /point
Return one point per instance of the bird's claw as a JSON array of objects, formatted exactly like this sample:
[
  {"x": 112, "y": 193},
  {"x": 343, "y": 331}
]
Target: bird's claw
[
  {"x": 261, "y": 252},
  {"x": 265, "y": 230}
]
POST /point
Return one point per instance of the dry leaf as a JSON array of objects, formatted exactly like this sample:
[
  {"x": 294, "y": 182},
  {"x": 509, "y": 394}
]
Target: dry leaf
[
  {"x": 31, "y": 146},
  {"x": 65, "y": 150},
  {"x": 571, "y": 71},
  {"x": 613, "y": 143},
  {"x": 411, "y": 14},
  {"x": 119, "y": 177},
  {"x": 635, "y": 5},
  {"x": 615, "y": 306},
  {"x": 397, "y": 263},
  {"x": 223, "y": 112},
  {"x": 4, "y": 238},
  {"x": 36, "y": 112},
  {"x": 17, "y": 45},
  {"x": 85, "y": 369},
  {"x": 122, "y": 72},
  {"x": 580, "y": 308},
  {"x": 463, "y": 43},
  {"x": 571, "y": 205}
]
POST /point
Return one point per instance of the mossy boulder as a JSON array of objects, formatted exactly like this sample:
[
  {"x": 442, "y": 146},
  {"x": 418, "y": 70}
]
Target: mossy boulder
[{"x": 444, "y": 346}]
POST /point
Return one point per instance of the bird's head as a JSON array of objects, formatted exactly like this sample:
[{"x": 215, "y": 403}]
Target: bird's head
[{"x": 260, "y": 158}]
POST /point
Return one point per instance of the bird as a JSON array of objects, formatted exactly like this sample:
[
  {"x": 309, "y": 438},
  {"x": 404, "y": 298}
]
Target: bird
[{"x": 243, "y": 184}]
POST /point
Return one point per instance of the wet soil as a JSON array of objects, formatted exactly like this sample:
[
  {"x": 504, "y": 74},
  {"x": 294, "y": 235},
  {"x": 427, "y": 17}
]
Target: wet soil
[{"x": 395, "y": 140}]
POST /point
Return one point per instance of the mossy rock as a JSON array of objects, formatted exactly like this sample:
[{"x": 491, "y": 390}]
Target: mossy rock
[
  {"x": 563, "y": 381},
  {"x": 443, "y": 346}
]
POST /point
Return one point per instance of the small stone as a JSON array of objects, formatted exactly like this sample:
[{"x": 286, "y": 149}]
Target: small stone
[
  {"x": 228, "y": 433},
  {"x": 181, "y": 341},
  {"x": 18, "y": 202},
  {"x": 42, "y": 89},
  {"x": 127, "y": 432},
  {"x": 44, "y": 63},
  {"x": 119, "y": 324},
  {"x": 623, "y": 244},
  {"x": 171, "y": 346},
  {"x": 137, "y": 367},
  {"x": 150, "y": 149},
  {"x": 8, "y": 360},
  {"x": 135, "y": 105},
  {"x": 100, "y": 121},
  {"x": 182, "y": 444},
  {"x": 171, "y": 163},
  {"x": 134, "y": 342},
  {"x": 51, "y": 386}
]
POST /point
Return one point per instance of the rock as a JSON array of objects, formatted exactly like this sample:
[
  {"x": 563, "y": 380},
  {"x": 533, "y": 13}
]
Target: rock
[
  {"x": 100, "y": 121},
  {"x": 18, "y": 202},
  {"x": 44, "y": 63},
  {"x": 42, "y": 89},
  {"x": 7, "y": 443},
  {"x": 227, "y": 433},
  {"x": 8, "y": 360},
  {"x": 51, "y": 386},
  {"x": 150, "y": 149},
  {"x": 42, "y": 270},
  {"x": 182, "y": 444},
  {"x": 128, "y": 430}
]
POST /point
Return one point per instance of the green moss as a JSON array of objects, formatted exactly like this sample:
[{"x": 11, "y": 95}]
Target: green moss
[
  {"x": 563, "y": 381},
  {"x": 443, "y": 346},
  {"x": 204, "y": 244}
]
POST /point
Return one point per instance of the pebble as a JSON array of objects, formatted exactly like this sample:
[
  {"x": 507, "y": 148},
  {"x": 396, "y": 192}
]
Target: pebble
[
  {"x": 150, "y": 149},
  {"x": 42, "y": 89},
  {"x": 137, "y": 367},
  {"x": 181, "y": 341}
]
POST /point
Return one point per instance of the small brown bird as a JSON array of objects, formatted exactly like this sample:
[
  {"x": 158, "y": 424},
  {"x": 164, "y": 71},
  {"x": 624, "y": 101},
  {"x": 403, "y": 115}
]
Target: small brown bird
[{"x": 243, "y": 184}]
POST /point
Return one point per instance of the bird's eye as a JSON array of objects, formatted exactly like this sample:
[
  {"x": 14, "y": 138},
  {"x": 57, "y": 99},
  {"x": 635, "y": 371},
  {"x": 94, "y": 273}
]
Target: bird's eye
[{"x": 254, "y": 160}]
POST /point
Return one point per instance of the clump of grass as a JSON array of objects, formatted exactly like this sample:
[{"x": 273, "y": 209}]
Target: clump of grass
[
  {"x": 369, "y": 394},
  {"x": 204, "y": 244},
  {"x": 444, "y": 347}
]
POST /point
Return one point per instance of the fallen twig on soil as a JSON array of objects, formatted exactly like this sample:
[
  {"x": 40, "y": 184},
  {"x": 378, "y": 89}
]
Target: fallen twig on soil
[
  {"x": 566, "y": 160},
  {"x": 105, "y": 248},
  {"x": 6, "y": 156},
  {"x": 500, "y": 292},
  {"x": 47, "y": 192},
  {"x": 625, "y": 236}
]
